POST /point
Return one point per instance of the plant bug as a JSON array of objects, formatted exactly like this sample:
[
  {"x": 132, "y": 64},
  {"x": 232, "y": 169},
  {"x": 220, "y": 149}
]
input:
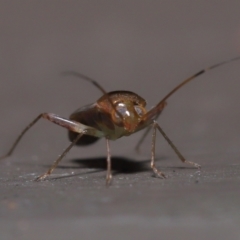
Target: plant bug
[{"x": 112, "y": 116}]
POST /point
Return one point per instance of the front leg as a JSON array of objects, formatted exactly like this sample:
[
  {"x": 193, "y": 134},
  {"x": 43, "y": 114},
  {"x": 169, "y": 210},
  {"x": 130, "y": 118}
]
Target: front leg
[
  {"x": 137, "y": 148},
  {"x": 109, "y": 166},
  {"x": 156, "y": 171}
]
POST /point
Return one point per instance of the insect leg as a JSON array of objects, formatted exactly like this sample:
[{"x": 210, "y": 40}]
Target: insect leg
[
  {"x": 137, "y": 148},
  {"x": 155, "y": 125},
  {"x": 71, "y": 125},
  {"x": 155, "y": 170},
  {"x": 19, "y": 137},
  {"x": 109, "y": 174},
  {"x": 56, "y": 162}
]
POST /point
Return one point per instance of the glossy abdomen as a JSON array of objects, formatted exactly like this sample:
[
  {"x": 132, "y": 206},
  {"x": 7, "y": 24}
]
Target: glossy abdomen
[
  {"x": 85, "y": 116},
  {"x": 91, "y": 116}
]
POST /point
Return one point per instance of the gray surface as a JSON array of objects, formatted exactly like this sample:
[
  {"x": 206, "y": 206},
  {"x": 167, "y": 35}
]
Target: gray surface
[{"x": 145, "y": 47}]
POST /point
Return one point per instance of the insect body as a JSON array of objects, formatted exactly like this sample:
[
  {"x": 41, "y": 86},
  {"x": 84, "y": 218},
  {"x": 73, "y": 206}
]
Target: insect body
[
  {"x": 103, "y": 116},
  {"x": 114, "y": 115}
]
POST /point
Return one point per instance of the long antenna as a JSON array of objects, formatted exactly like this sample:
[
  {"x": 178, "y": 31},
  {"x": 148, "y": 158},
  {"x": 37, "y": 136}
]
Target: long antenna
[
  {"x": 155, "y": 111},
  {"x": 96, "y": 84},
  {"x": 80, "y": 75}
]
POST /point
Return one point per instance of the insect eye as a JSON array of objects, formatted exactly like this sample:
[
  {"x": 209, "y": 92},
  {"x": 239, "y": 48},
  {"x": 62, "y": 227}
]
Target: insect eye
[
  {"x": 122, "y": 109},
  {"x": 138, "y": 110}
]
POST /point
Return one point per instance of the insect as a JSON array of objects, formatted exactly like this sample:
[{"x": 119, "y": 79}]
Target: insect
[{"x": 112, "y": 116}]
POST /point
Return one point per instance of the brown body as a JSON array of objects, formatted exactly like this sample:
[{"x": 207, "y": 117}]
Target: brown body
[{"x": 130, "y": 105}]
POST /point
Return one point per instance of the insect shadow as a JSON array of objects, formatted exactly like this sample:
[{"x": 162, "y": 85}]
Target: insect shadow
[{"x": 120, "y": 165}]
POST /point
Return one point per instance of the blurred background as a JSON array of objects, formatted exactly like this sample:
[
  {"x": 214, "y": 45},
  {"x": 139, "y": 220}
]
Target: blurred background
[{"x": 147, "y": 47}]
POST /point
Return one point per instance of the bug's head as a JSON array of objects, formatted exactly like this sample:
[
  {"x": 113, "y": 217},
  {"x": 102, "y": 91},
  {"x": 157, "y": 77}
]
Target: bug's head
[
  {"x": 131, "y": 114},
  {"x": 126, "y": 110}
]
